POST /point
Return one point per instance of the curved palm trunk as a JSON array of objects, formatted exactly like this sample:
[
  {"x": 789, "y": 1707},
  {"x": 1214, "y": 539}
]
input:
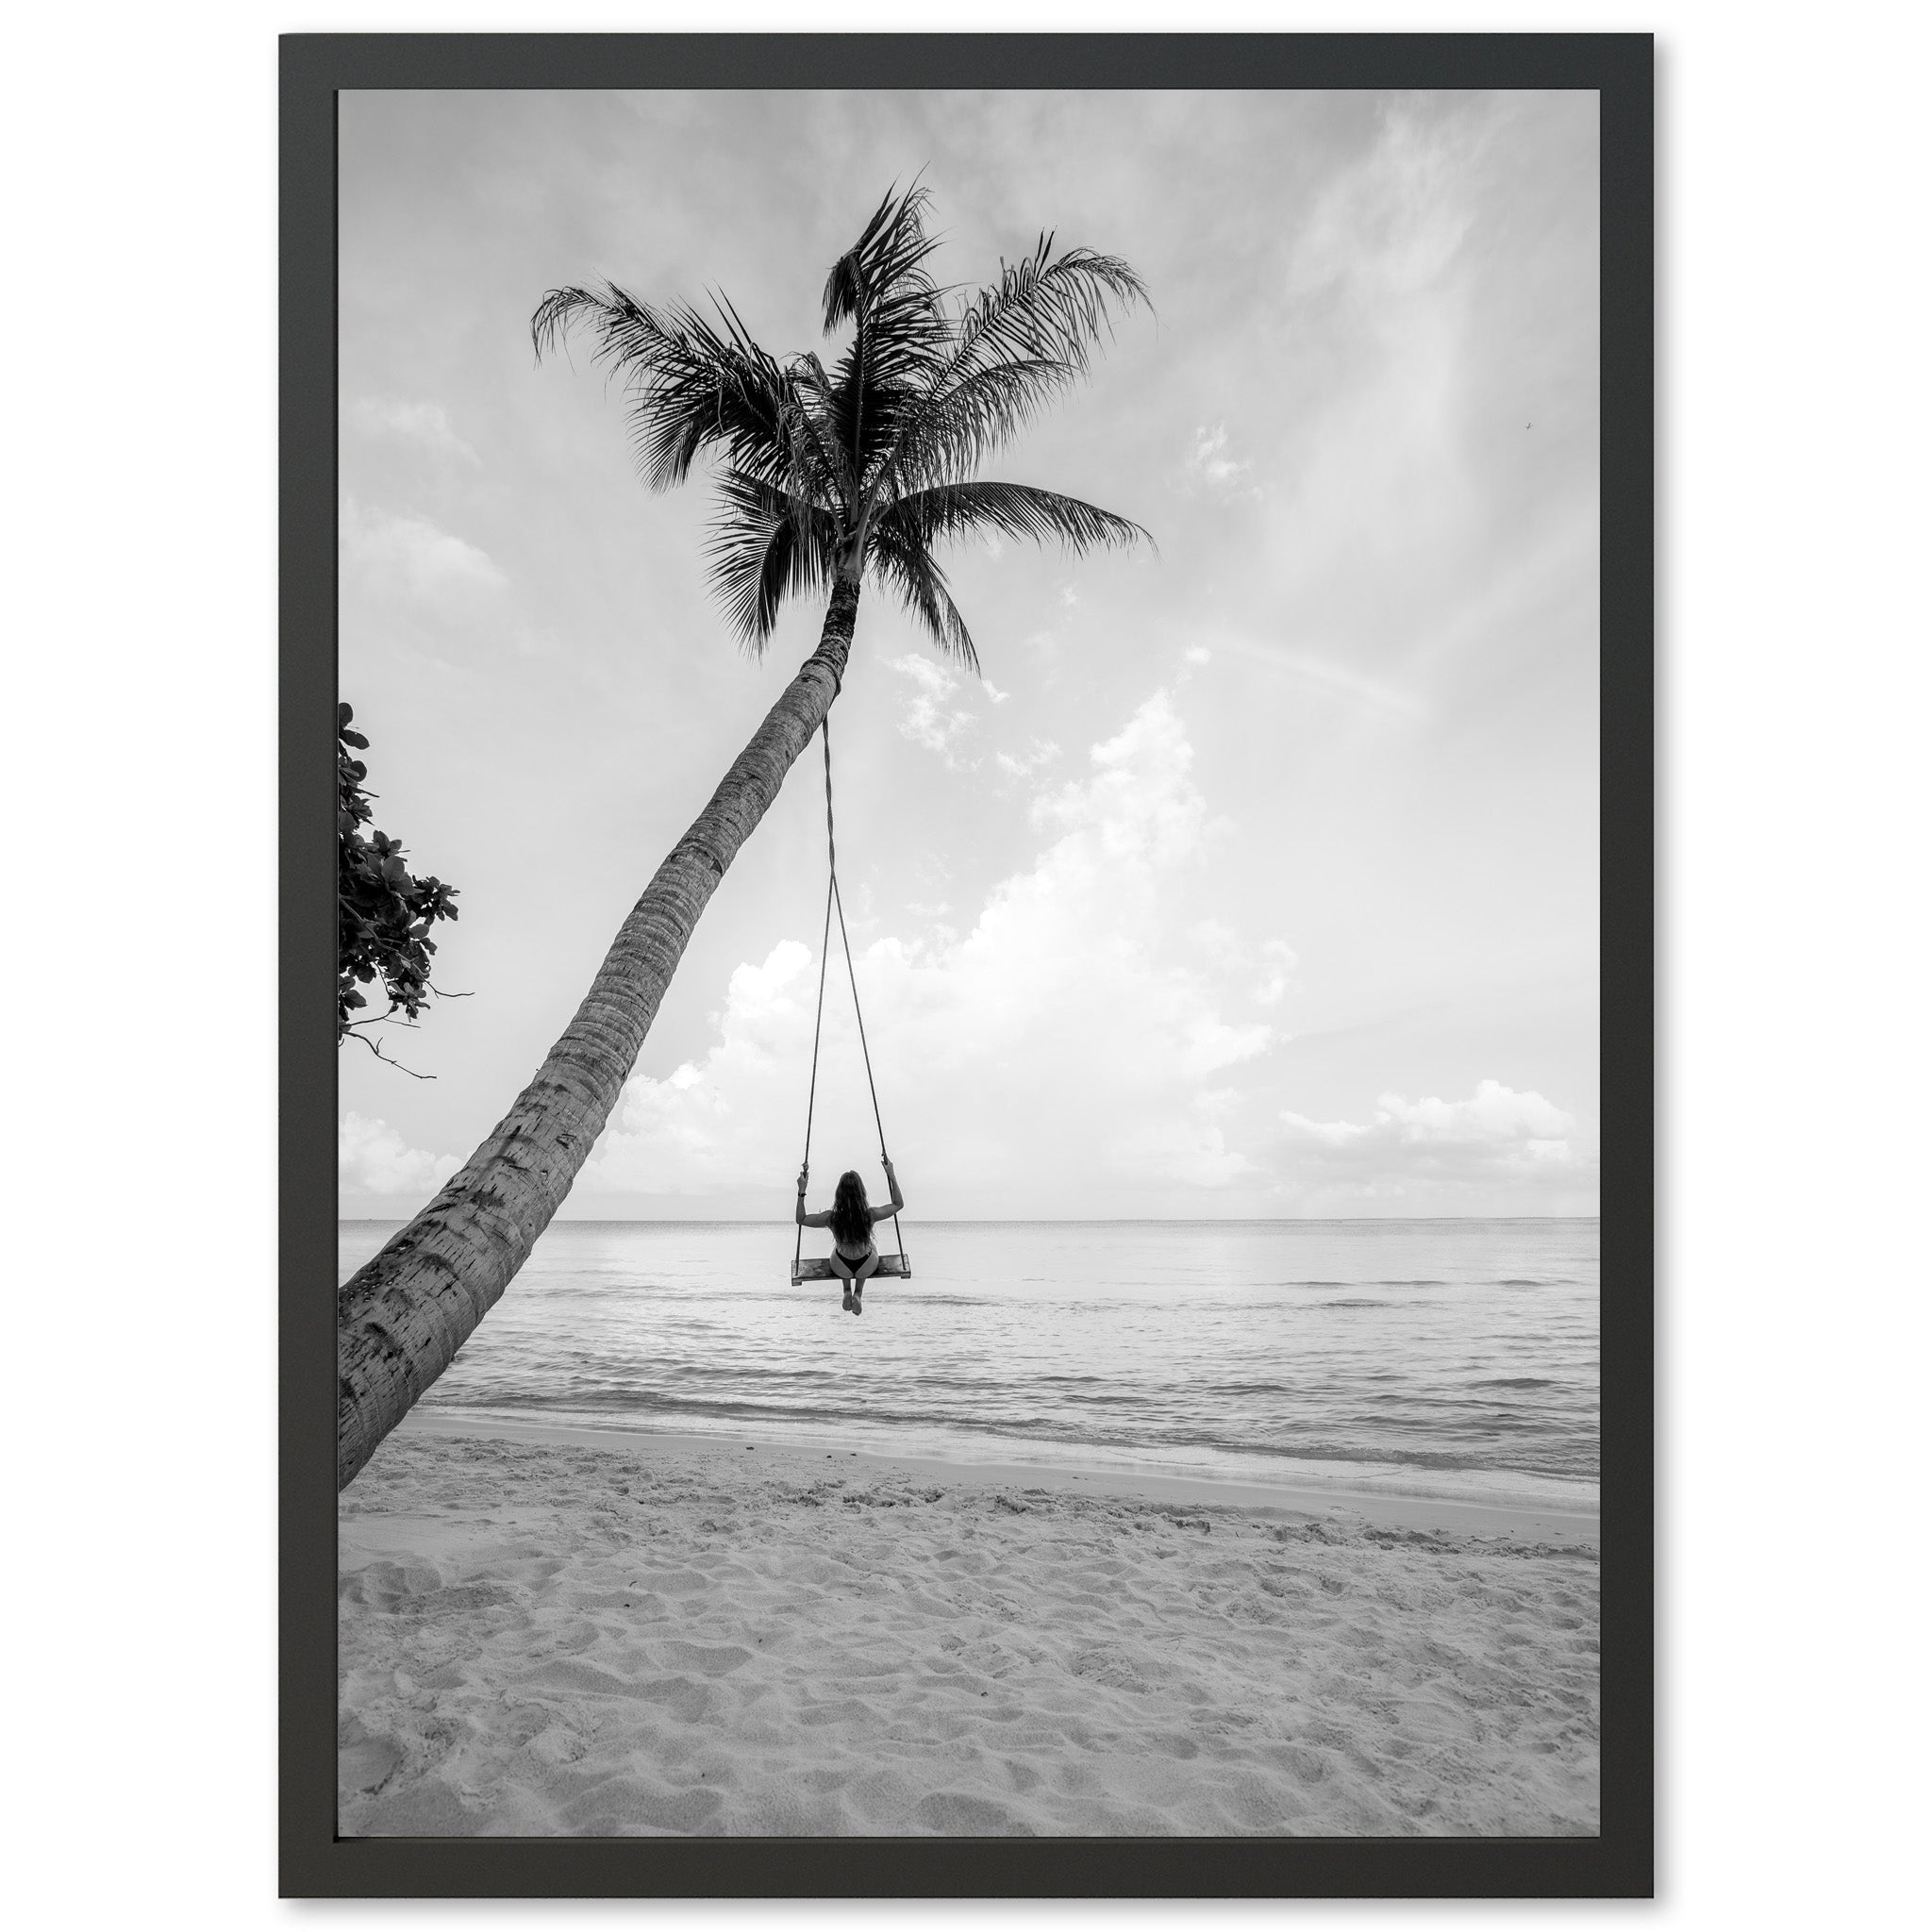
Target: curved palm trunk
[{"x": 401, "y": 1318}]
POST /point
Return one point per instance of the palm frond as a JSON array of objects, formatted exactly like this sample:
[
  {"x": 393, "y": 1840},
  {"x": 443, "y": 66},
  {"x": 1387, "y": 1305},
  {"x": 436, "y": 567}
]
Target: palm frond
[
  {"x": 1055, "y": 308},
  {"x": 901, "y": 332},
  {"x": 1016, "y": 346},
  {"x": 891, "y": 252},
  {"x": 908, "y": 568},
  {"x": 766, "y": 544},
  {"x": 950, "y": 434},
  {"x": 1014, "y": 510},
  {"x": 817, "y": 425},
  {"x": 689, "y": 386}
]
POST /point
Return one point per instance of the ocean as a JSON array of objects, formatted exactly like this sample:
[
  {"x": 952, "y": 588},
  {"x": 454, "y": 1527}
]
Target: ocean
[{"x": 1452, "y": 1358}]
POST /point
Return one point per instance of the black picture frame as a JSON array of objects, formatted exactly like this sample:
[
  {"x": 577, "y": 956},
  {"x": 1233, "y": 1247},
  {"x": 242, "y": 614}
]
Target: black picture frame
[{"x": 314, "y": 1862}]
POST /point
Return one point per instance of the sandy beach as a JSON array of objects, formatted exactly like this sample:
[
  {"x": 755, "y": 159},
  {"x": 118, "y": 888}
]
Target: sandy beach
[{"x": 546, "y": 1630}]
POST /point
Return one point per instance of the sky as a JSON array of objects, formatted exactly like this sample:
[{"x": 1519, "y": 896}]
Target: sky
[{"x": 1257, "y": 873}]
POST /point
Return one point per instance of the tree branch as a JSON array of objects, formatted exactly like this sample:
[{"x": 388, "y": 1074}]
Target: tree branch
[{"x": 350, "y": 1032}]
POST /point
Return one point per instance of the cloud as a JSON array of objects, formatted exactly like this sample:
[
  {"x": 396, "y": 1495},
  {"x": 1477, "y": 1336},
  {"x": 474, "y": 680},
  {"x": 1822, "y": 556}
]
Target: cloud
[
  {"x": 1209, "y": 466},
  {"x": 1073, "y": 1039},
  {"x": 1377, "y": 517},
  {"x": 1496, "y": 1135},
  {"x": 1392, "y": 225},
  {"x": 1275, "y": 960},
  {"x": 929, "y": 720},
  {"x": 1042, "y": 752},
  {"x": 400, "y": 553},
  {"x": 1278, "y": 961},
  {"x": 719, "y": 1122},
  {"x": 425, "y": 424},
  {"x": 372, "y": 1159}
]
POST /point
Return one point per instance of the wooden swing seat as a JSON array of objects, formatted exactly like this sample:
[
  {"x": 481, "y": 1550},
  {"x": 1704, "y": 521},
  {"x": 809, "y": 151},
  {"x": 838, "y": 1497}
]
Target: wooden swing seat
[{"x": 815, "y": 1268}]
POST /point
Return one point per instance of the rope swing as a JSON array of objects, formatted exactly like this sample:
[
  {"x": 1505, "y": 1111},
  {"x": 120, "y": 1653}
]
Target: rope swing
[{"x": 817, "y": 1270}]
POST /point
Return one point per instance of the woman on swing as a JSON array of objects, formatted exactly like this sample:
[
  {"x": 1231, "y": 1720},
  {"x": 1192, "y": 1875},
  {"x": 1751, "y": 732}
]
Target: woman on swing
[{"x": 855, "y": 1257}]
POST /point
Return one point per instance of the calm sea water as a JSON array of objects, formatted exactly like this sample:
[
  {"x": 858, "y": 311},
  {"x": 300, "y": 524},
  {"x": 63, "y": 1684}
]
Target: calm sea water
[{"x": 1455, "y": 1358}]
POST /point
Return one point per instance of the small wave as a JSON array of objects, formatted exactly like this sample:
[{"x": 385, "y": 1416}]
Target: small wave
[
  {"x": 1419, "y": 1281},
  {"x": 1374, "y": 1445}
]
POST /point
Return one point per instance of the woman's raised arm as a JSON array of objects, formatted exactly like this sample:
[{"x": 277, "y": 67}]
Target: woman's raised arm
[
  {"x": 898, "y": 1199},
  {"x": 798, "y": 1213}
]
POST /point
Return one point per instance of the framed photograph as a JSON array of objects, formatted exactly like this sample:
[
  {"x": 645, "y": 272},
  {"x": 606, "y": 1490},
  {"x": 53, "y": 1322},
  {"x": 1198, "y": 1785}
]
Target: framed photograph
[{"x": 982, "y": 708}]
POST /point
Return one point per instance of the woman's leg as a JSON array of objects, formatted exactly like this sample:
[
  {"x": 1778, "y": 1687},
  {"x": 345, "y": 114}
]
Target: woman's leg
[
  {"x": 842, "y": 1269},
  {"x": 864, "y": 1272}
]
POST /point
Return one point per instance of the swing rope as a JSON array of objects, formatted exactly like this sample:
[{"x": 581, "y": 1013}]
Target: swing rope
[{"x": 835, "y": 902}]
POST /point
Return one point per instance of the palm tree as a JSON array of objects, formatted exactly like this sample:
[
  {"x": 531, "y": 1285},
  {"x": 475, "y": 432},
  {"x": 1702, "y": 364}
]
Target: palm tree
[{"x": 822, "y": 477}]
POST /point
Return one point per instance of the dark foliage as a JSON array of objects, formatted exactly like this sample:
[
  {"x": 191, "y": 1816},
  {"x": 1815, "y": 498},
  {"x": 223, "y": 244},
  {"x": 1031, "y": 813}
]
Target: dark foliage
[{"x": 383, "y": 914}]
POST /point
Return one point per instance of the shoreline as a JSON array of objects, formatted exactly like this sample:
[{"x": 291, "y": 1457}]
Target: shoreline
[{"x": 804, "y": 1456}]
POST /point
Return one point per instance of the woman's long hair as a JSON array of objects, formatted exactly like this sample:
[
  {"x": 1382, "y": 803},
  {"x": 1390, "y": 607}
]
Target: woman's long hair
[{"x": 851, "y": 1217}]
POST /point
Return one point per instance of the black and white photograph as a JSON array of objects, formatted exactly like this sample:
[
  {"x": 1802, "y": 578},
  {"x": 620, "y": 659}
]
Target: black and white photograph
[
  {"x": 970, "y": 1116},
  {"x": 971, "y": 959}
]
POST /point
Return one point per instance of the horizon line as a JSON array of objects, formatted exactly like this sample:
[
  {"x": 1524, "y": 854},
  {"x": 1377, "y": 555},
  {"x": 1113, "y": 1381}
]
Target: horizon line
[{"x": 1013, "y": 1219}]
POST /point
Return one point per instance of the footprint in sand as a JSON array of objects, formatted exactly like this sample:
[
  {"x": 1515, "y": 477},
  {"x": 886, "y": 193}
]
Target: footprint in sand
[
  {"x": 1113, "y": 1667},
  {"x": 428, "y": 1808},
  {"x": 466, "y": 1596},
  {"x": 960, "y": 1814},
  {"x": 555, "y": 1745},
  {"x": 385, "y": 1586},
  {"x": 623, "y": 1806},
  {"x": 572, "y": 1673},
  {"x": 843, "y": 1710},
  {"x": 675, "y": 1582},
  {"x": 709, "y": 1661},
  {"x": 687, "y": 1702},
  {"x": 364, "y": 1762}
]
